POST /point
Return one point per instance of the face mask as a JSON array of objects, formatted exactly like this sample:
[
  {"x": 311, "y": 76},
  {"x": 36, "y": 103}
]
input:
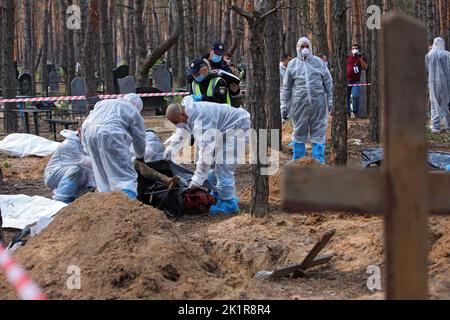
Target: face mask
[
  {"x": 228, "y": 61},
  {"x": 216, "y": 58},
  {"x": 200, "y": 78},
  {"x": 355, "y": 51},
  {"x": 305, "y": 52}
]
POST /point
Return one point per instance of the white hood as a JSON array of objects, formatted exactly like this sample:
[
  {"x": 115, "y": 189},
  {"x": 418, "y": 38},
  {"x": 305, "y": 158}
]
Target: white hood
[
  {"x": 438, "y": 44},
  {"x": 302, "y": 41}
]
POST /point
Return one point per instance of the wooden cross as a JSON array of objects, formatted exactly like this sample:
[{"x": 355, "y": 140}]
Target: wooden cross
[{"x": 403, "y": 190}]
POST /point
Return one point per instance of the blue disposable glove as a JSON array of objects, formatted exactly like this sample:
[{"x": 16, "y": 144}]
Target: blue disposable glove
[{"x": 198, "y": 98}]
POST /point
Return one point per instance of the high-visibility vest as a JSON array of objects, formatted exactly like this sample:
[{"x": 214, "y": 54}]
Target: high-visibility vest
[{"x": 210, "y": 93}]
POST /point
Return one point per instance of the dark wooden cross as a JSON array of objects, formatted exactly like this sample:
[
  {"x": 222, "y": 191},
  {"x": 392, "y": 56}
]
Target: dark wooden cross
[{"x": 403, "y": 190}]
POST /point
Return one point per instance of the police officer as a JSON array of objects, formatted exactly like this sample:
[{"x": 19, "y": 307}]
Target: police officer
[
  {"x": 207, "y": 86},
  {"x": 216, "y": 62}
]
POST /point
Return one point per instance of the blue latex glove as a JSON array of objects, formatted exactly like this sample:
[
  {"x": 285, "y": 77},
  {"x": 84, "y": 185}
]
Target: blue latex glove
[{"x": 198, "y": 98}]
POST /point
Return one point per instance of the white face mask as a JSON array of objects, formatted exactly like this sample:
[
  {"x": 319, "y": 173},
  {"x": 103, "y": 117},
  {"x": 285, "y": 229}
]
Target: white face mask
[
  {"x": 305, "y": 52},
  {"x": 355, "y": 51}
]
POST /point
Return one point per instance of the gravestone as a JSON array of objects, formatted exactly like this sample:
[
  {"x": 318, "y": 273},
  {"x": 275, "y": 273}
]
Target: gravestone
[
  {"x": 53, "y": 82},
  {"x": 120, "y": 73},
  {"x": 127, "y": 85},
  {"x": 25, "y": 83},
  {"x": 163, "y": 79},
  {"x": 152, "y": 105},
  {"x": 78, "y": 88}
]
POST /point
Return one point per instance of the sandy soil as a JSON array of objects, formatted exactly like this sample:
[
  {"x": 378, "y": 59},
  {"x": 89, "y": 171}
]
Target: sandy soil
[{"x": 129, "y": 251}]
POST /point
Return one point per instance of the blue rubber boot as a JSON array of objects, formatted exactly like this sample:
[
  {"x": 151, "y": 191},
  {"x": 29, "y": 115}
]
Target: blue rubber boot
[
  {"x": 131, "y": 194},
  {"x": 447, "y": 168},
  {"x": 318, "y": 152},
  {"x": 225, "y": 207},
  {"x": 299, "y": 151}
]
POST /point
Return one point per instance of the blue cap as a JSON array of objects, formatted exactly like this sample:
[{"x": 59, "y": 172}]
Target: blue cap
[
  {"x": 219, "y": 48},
  {"x": 196, "y": 65}
]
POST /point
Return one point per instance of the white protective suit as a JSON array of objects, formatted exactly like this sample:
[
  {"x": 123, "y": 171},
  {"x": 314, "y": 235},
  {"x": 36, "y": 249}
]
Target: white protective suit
[
  {"x": 216, "y": 128},
  {"x": 69, "y": 172},
  {"x": 107, "y": 135},
  {"x": 155, "y": 148},
  {"x": 306, "y": 91},
  {"x": 438, "y": 69}
]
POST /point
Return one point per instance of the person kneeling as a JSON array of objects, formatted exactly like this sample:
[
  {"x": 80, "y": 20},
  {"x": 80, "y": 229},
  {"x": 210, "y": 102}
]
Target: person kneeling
[{"x": 69, "y": 172}]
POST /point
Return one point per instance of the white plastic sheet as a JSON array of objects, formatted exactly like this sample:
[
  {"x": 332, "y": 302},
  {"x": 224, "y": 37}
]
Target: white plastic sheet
[
  {"x": 22, "y": 145},
  {"x": 19, "y": 211}
]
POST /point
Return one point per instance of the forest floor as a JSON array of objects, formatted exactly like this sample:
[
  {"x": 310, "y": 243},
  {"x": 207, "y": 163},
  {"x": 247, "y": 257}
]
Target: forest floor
[{"x": 127, "y": 250}]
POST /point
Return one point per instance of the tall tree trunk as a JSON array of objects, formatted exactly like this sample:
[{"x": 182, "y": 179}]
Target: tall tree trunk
[
  {"x": 92, "y": 37},
  {"x": 139, "y": 31},
  {"x": 374, "y": 98},
  {"x": 107, "y": 47},
  {"x": 430, "y": 22},
  {"x": 339, "y": 126},
  {"x": 330, "y": 26},
  {"x": 162, "y": 48},
  {"x": 357, "y": 30},
  {"x": 257, "y": 92},
  {"x": 227, "y": 24},
  {"x": 132, "y": 36},
  {"x": 124, "y": 58},
  {"x": 182, "y": 52},
  {"x": 65, "y": 47},
  {"x": 273, "y": 52},
  {"x": 320, "y": 28},
  {"x": 173, "y": 61},
  {"x": 8, "y": 69},
  {"x": 44, "y": 71},
  {"x": 28, "y": 4},
  {"x": 291, "y": 36},
  {"x": 191, "y": 30}
]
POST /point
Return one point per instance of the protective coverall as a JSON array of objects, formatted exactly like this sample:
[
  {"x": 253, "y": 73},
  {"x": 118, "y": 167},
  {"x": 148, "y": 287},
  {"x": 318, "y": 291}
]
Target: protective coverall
[
  {"x": 107, "y": 135},
  {"x": 155, "y": 148},
  {"x": 438, "y": 68},
  {"x": 69, "y": 172},
  {"x": 218, "y": 130},
  {"x": 307, "y": 90}
]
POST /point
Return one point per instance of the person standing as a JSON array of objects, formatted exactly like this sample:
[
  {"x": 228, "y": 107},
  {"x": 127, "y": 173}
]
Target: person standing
[
  {"x": 306, "y": 92},
  {"x": 356, "y": 63},
  {"x": 438, "y": 70}
]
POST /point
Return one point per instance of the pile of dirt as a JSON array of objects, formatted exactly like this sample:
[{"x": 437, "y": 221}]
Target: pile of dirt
[
  {"x": 276, "y": 181},
  {"x": 24, "y": 169},
  {"x": 124, "y": 250}
]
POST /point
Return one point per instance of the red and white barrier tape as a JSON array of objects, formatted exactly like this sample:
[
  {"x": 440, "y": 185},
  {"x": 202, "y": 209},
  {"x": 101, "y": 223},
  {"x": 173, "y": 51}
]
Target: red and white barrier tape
[
  {"x": 24, "y": 286},
  {"x": 103, "y": 97},
  {"x": 360, "y": 85}
]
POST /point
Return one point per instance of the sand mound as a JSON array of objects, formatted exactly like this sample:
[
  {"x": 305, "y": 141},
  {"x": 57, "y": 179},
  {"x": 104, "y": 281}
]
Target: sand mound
[
  {"x": 25, "y": 168},
  {"x": 124, "y": 249},
  {"x": 276, "y": 181}
]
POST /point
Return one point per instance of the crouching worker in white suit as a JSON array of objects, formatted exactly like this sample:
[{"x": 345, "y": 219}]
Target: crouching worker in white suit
[
  {"x": 216, "y": 128},
  {"x": 108, "y": 133},
  {"x": 69, "y": 172}
]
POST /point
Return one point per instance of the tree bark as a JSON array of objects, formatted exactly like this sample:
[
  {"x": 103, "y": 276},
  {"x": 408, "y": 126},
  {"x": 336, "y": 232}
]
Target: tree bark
[
  {"x": 182, "y": 51},
  {"x": 374, "y": 96},
  {"x": 92, "y": 37},
  {"x": 320, "y": 28},
  {"x": 191, "y": 35},
  {"x": 28, "y": 28},
  {"x": 107, "y": 47},
  {"x": 131, "y": 33},
  {"x": 273, "y": 52},
  {"x": 8, "y": 69},
  {"x": 44, "y": 71},
  {"x": 159, "y": 51},
  {"x": 339, "y": 126},
  {"x": 330, "y": 26}
]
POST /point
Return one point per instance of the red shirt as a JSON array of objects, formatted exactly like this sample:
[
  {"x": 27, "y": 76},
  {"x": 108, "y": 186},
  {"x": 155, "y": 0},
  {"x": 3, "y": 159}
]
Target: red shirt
[{"x": 354, "y": 69}]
